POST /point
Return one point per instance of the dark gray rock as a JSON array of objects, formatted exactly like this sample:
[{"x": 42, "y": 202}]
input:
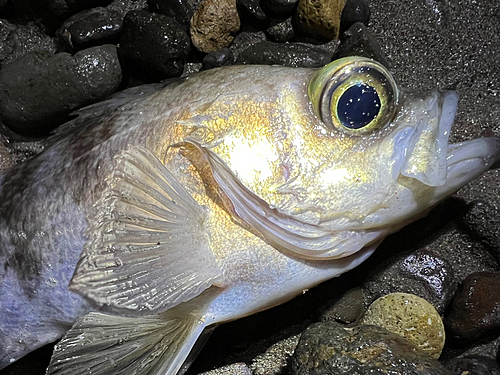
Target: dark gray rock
[
  {"x": 421, "y": 273},
  {"x": 358, "y": 41},
  {"x": 252, "y": 14},
  {"x": 180, "y": 10},
  {"x": 280, "y": 6},
  {"x": 18, "y": 40},
  {"x": 155, "y": 44},
  {"x": 347, "y": 310},
  {"x": 473, "y": 365},
  {"x": 38, "y": 90},
  {"x": 90, "y": 26},
  {"x": 282, "y": 31},
  {"x": 246, "y": 39},
  {"x": 475, "y": 310},
  {"x": 289, "y": 54},
  {"x": 329, "y": 349},
  {"x": 221, "y": 57},
  {"x": 355, "y": 11}
]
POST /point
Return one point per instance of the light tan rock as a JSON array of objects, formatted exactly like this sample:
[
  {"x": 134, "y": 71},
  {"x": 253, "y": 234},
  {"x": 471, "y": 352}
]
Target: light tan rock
[
  {"x": 214, "y": 24},
  {"x": 320, "y": 17}
]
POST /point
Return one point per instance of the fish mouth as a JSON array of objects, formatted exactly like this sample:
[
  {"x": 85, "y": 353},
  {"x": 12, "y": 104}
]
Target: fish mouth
[{"x": 422, "y": 152}]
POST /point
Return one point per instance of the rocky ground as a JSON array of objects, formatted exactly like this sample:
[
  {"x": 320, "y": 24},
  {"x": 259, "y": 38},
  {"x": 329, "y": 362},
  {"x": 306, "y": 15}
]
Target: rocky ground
[{"x": 451, "y": 258}]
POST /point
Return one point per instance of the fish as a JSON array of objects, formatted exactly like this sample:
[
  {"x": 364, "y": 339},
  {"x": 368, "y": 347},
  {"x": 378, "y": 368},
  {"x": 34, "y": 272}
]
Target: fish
[{"x": 174, "y": 207}]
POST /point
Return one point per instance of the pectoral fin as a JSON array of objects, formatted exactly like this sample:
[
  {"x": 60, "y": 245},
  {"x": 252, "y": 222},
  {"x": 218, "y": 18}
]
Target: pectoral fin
[{"x": 147, "y": 250}]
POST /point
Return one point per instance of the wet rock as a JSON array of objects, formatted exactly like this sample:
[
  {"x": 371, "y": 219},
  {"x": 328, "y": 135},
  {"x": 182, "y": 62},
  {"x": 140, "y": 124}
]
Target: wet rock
[
  {"x": 421, "y": 273},
  {"x": 355, "y": 11},
  {"x": 327, "y": 348},
  {"x": 233, "y": 369},
  {"x": 252, "y": 14},
  {"x": 38, "y": 90},
  {"x": 281, "y": 6},
  {"x": 180, "y": 10},
  {"x": 90, "y": 26},
  {"x": 246, "y": 39},
  {"x": 411, "y": 317},
  {"x": 190, "y": 69},
  {"x": 475, "y": 309},
  {"x": 473, "y": 365},
  {"x": 221, "y": 57},
  {"x": 18, "y": 40},
  {"x": 483, "y": 221},
  {"x": 289, "y": 54},
  {"x": 155, "y": 43},
  {"x": 358, "y": 41},
  {"x": 214, "y": 24},
  {"x": 320, "y": 18},
  {"x": 282, "y": 31},
  {"x": 347, "y": 310}
]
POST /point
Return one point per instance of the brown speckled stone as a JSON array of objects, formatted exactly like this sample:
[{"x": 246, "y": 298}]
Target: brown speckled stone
[{"x": 320, "y": 17}]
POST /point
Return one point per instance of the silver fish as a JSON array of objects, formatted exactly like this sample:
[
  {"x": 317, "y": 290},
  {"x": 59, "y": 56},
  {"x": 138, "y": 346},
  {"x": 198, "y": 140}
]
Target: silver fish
[{"x": 171, "y": 208}]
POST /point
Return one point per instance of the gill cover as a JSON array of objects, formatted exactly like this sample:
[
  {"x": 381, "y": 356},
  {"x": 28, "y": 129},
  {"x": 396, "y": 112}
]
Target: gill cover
[{"x": 354, "y": 94}]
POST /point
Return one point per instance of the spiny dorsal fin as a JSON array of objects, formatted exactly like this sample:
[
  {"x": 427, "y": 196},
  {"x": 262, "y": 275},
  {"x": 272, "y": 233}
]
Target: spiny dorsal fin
[{"x": 147, "y": 249}]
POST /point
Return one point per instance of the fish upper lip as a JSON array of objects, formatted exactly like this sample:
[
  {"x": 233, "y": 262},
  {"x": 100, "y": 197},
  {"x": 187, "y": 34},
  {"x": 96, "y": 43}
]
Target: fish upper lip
[{"x": 486, "y": 148}]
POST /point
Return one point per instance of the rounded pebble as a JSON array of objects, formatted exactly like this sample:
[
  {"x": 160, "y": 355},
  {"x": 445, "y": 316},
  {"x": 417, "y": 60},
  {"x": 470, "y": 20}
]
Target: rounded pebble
[
  {"x": 221, "y": 57},
  {"x": 214, "y": 24},
  {"x": 355, "y": 11},
  {"x": 411, "y": 317},
  {"x": 320, "y": 18},
  {"x": 180, "y": 10}
]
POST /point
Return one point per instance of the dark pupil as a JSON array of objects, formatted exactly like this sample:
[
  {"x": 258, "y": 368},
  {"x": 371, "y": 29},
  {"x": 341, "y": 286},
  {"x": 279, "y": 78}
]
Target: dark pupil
[{"x": 358, "y": 106}]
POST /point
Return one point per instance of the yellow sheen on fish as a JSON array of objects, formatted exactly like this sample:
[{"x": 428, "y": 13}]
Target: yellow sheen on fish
[{"x": 234, "y": 190}]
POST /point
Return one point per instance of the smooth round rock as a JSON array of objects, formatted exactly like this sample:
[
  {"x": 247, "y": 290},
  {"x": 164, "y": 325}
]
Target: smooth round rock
[
  {"x": 286, "y": 54},
  {"x": 180, "y": 10},
  {"x": 320, "y": 18},
  {"x": 214, "y": 24},
  {"x": 411, "y": 317},
  {"x": 355, "y": 11},
  {"x": 329, "y": 349},
  {"x": 155, "y": 43},
  {"x": 280, "y": 6},
  {"x": 251, "y": 13},
  {"x": 348, "y": 309},
  {"x": 473, "y": 365},
  {"x": 38, "y": 90},
  {"x": 221, "y": 57},
  {"x": 475, "y": 309}
]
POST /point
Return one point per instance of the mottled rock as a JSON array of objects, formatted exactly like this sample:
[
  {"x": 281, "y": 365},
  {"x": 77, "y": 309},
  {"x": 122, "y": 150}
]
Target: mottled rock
[
  {"x": 473, "y": 365},
  {"x": 180, "y": 10},
  {"x": 358, "y": 41},
  {"x": 347, "y": 310},
  {"x": 233, "y": 369},
  {"x": 18, "y": 40},
  {"x": 155, "y": 43},
  {"x": 214, "y": 24},
  {"x": 355, "y": 11},
  {"x": 411, "y": 317},
  {"x": 286, "y": 54},
  {"x": 421, "y": 273},
  {"x": 191, "y": 68},
  {"x": 282, "y": 31},
  {"x": 475, "y": 309},
  {"x": 38, "y": 90},
  {"x": 221, "y": 57},
  {"x": 252, "y": 14},
  {"x": 320, "y": 18},
  {"x": 280, "y": 6},
  {"x": 246, "y": 39},
  {"x": 327, "y": 348},
  {"x": 90, "y": 26}
]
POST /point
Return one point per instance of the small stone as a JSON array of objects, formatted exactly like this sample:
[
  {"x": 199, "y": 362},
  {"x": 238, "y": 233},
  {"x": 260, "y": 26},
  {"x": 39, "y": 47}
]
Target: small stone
[
  {"x": 355, "y": 11},
  {"x": 251, "y": 13},
  {"x": 320, "y": 18},
  {"x": 348, "y": 309},
  {"x": 280, "y": 6},
  {"x": 155, "y": 43},
  {"x": 90, "y": 26},
  {"x": 58, "y": 84},
  {"x": 411, "y": 317},
  {"x": 473, "y": 365},
  {"x": 180, "y": 10},
  {"x": 233, "y": 369},
  {"x": 244, "y": 40},
  {"x": 483, "y": 221},
  {"x": 282, "y": 31},
  {"x": 19, "y": 40},
  {"x": 286, "y": 54},
  {"x": 221, "y": 57},
  {"x": 327, "y": 348},
  {"x": 475, "y": 310},
  {"x": 214, "y": 24}
]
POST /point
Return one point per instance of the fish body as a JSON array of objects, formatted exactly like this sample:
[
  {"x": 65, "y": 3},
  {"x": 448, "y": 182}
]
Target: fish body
[{"x": 171, "y": 208}]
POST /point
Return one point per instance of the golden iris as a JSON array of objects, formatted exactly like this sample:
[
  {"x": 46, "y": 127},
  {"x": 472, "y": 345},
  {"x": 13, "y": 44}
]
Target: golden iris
[{"x": 354, "y": 94}]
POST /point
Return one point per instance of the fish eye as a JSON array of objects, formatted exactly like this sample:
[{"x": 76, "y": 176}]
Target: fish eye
[{"x": 354, "y": 94}]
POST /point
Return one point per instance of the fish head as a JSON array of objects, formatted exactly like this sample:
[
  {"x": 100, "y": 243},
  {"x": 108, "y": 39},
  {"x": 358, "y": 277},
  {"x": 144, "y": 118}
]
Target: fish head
[{"x": 325, "y": 162}]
